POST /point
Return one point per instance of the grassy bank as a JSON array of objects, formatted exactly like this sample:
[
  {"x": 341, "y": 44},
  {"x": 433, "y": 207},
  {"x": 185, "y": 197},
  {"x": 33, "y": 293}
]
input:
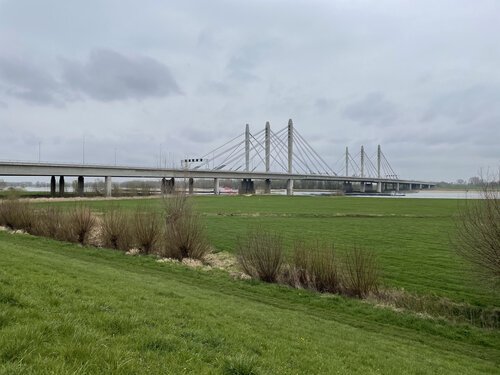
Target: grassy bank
[
  {"x": 68, "y": 309},
  {"x": 411, "y": 237}
]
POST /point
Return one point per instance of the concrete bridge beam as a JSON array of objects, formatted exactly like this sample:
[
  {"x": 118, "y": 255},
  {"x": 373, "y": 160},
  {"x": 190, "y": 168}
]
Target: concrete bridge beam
[
  {"x": 53, "y": 186},
  {"x": 107, "y": 184},
  {"x": 61, "y": 186},
  {"x": 80, "y": 186}
]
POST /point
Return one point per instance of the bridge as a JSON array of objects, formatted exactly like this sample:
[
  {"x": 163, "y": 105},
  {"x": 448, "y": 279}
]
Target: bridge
[{"x": 269, "y": 156}]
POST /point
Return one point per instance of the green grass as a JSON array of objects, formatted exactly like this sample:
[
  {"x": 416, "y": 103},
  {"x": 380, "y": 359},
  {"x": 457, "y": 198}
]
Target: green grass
[
  {"x": 411, "y": 237},
  {"x": 67, "y": 309}
]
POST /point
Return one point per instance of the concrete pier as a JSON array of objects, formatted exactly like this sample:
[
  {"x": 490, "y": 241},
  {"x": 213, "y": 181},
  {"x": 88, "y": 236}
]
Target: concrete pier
[
  {"x": 246, "y": 186},
  {"x": 61, "y": 186},
  {"x": 216, "y": 186},
  {"x": 163, "y": 186},
  {"x": 397, "y": 187},
  {"x": 379, "y": 187},
  {"x": 289, "y": 187},
  {"x": 53, "y": 186},
  {"x": 170, "y": 186},
  {"x": 191, "y": 186},
  {"x": 267, "y": 186},
  {"x": 80, "y": 189},
  {"x": 107, "y": 184},
  {"x": 362, "y": 187},
  {"x": 347, "y": 187}
]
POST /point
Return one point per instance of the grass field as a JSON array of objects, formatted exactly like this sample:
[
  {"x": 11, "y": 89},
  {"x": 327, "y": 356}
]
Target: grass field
[
  {"x": 67, "y": 309},
  {"x": 411, "y": 237}
]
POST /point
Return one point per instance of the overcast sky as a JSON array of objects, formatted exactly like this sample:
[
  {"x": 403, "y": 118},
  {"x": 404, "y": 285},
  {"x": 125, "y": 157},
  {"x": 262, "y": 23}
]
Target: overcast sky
[{"x": 421, "y": 78}]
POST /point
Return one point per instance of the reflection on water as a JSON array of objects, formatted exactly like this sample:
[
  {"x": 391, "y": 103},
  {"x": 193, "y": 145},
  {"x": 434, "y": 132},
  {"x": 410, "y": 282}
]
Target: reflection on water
[
  {"x": 445, "y": 194},
  {"x": 427, "y": 194}
]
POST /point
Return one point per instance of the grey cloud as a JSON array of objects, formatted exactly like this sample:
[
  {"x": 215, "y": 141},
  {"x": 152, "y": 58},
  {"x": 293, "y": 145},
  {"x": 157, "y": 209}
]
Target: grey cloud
[
  {"x": 324, "y": 104},
  {"x": 28, "y": 82},
  {"x": 466, "y": 105},
  {"x": 241, "y": 68},
  {"x": 109, "y": 76},
  {"x": 373, "y": 109}
]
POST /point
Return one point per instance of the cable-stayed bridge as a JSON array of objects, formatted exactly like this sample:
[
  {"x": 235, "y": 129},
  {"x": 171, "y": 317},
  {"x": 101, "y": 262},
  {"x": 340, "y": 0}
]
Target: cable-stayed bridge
[{"x": 283, "y": 155}]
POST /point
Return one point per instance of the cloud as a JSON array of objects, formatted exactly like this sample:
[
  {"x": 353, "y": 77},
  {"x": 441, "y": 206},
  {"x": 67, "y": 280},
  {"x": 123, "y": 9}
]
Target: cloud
[
  {"x": 373, "y": 109},
  {"x": 28, "y": 82},
  {"x": 466, "y": 105},
  {"x": 106, "y": 76},
  {"x": 109, "y": 76}
]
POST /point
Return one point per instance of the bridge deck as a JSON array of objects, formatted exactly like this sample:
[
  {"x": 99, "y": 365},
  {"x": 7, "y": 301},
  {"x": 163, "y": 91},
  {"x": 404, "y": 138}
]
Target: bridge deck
[{"x": 51, "y": 169}]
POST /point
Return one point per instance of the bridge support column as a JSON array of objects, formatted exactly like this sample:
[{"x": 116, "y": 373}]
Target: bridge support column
[
  {"x": 170, "y": 186},
  {"x": 420, "y": 186},
  {"x": 289, "y": 187},
  {"x": 397, "y": 187},
  {"x": 107, "y": 183},
  {"x": 163, "y": 186},
  {"x": 246, "y": 187},
  {"x": 53, "y": 186},
  {"x": 362, "y": 187},
  {"x": 379, "y": 187},
  {"x": 216, "y": 186},
  {"x": 191, "y": 186},
  {"x": 61, "y": 186},
  {"x": 409, "y": 186},
  {"x": 267, "y": 186},
  {"x": 347, "y": 187},
  {"x": 80, "y": 186}
]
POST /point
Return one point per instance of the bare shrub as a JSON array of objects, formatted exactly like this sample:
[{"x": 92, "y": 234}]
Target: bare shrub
[
  {"x": 16, "y": 214},
  {"x": 260, "y": 254},
  {"x": 48, "y": 222},
  {"x": 360, "y": 274},
  {"x": 116, "y": 229},
  {"x": 77, "y": 225},
  {"x": 147, "y": 230},
  {"x": 478, "y": 233},
  {"x": 184, "y": 232},
  {"x": 316, "y": 267}
]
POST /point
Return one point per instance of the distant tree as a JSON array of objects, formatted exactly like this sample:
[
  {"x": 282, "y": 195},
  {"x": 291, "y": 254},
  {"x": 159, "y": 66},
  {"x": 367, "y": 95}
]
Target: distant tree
[
  {"x": 476, "y": 181},
  {"x": 478, "y": 233}
]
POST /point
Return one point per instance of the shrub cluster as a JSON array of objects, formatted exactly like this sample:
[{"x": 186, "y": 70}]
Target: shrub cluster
[
  {"x": 260, "y": 255},
  {"x": 312, "y": 266},
  {"x": 178, "y": 233},
  {"x": 184, "y": 231}
]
